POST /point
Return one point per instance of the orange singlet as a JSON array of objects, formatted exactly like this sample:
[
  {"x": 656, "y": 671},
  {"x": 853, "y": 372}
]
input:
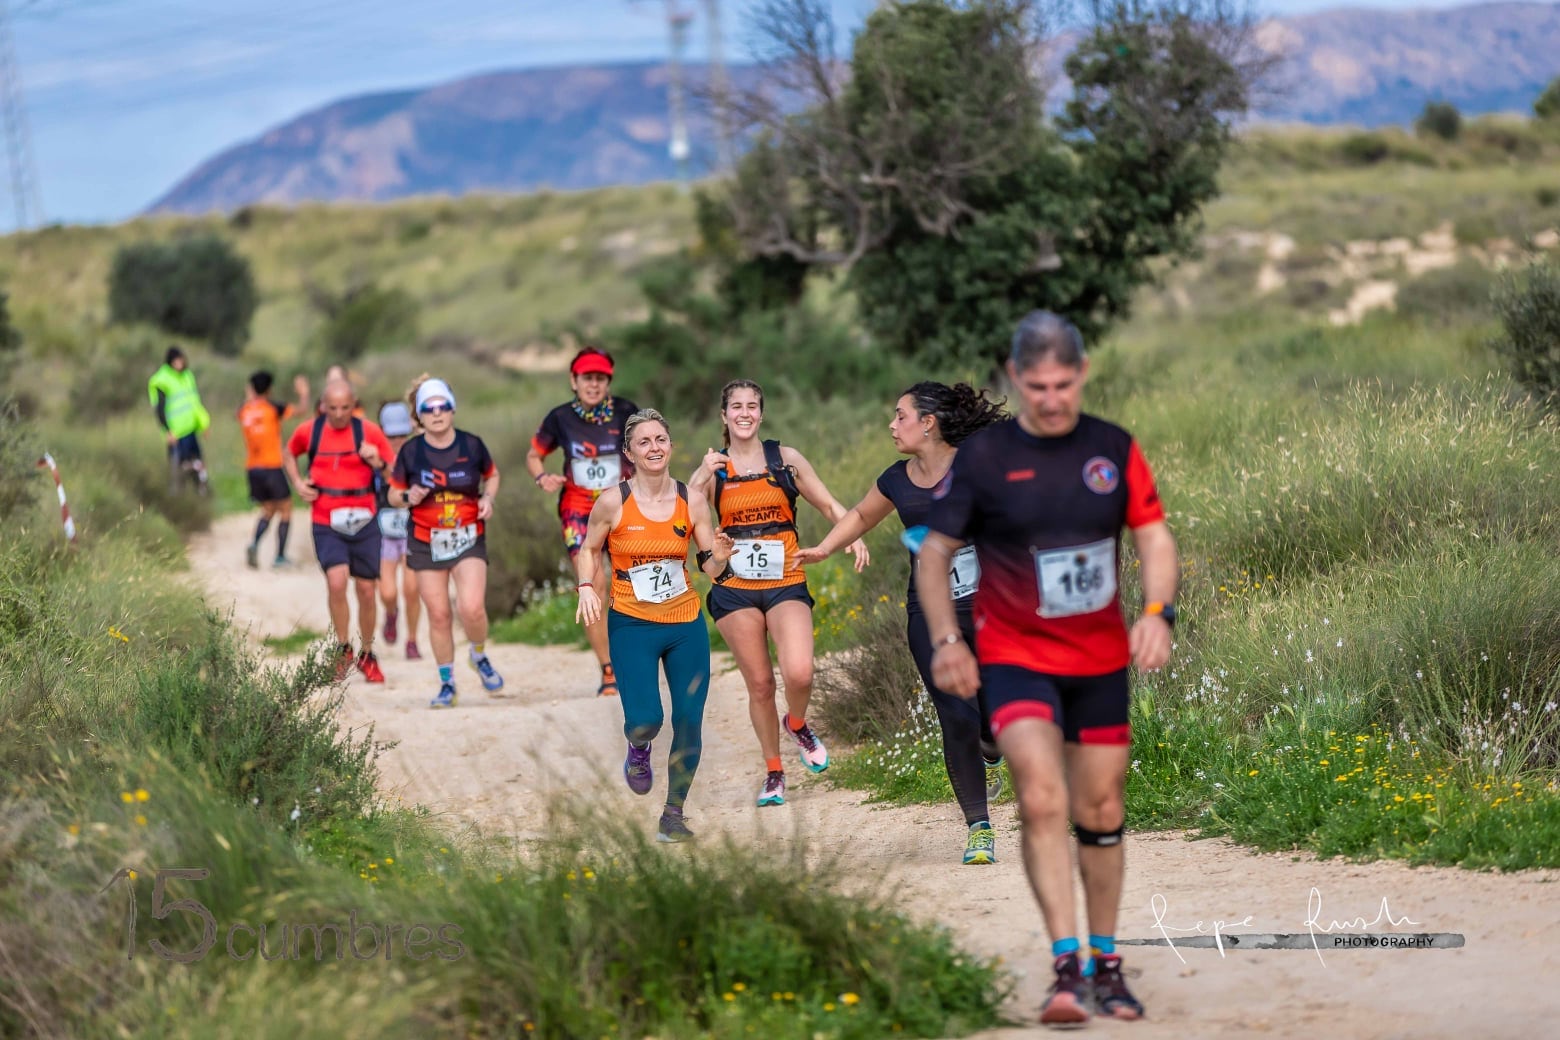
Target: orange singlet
[
  {"x": 759, "y": 512},
  {"x": 650, "y": 562}
]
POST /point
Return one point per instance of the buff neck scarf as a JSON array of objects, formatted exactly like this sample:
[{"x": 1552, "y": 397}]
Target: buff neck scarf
[{"x": 600, "y": 414}]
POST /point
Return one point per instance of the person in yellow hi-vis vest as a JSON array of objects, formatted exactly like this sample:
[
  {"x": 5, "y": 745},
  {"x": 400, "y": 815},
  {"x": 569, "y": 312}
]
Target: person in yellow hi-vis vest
[{"x": 182, "y": 416}]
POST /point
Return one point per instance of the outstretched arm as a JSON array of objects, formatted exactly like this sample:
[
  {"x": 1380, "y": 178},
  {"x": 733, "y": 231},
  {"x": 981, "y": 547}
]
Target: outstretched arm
[
  {"x": 857, "y": 521},
  {"x": 811, "y": 487}
]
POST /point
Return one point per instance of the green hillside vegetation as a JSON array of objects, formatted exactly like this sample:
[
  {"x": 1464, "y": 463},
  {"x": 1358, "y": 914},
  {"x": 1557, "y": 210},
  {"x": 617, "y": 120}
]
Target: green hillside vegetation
[{"x": 1367, "y": 512}]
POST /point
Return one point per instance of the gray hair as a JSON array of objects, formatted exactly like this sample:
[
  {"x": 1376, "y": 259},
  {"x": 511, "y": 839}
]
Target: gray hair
[
  {"x": 1044, "y": 336},
  {"x": 644, "y": 415}
]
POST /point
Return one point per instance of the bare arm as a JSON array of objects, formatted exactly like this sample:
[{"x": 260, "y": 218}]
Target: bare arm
[
  {"x": 536, "y": 465},
  {"x": 702, "y": 481},
  {"x": 603, "y": 515},
  {"x": 811, "y": 487},
  {"x": 858, "y": 520},
  {"x": 718, "y": 543},
  {"x": 954, "y": 667},
  {"x": 489, "y": 493},
  {"x": 306, "y": 491},
  {"x": 1150, "y": 639}
]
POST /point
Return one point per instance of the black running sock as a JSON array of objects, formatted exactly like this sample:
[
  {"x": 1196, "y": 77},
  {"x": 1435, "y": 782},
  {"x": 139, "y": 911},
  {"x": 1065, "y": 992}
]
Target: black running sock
[
  {"x": 282, "y": 529},
  {"x": 261, "y": 528}
]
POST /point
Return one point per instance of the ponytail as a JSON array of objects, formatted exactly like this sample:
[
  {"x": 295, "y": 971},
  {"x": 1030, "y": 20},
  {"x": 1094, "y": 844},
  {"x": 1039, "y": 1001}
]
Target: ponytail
[{"x": 959, "y": 409}]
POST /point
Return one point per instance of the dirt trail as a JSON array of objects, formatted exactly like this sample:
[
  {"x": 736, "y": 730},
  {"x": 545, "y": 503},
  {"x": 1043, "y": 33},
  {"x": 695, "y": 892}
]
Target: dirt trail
[{"x": 495, "y": 760}]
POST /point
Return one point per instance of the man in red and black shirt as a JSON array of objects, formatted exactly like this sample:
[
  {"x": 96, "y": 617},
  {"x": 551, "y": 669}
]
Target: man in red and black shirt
[
  {"x": 1044, "y": 498},
  {"x": 345, "y": 453}
]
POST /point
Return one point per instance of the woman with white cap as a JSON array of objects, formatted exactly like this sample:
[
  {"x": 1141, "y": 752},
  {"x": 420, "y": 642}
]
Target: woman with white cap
[
  {"x": 395, "y": 524},
  {"x": 448, "y": 480}
]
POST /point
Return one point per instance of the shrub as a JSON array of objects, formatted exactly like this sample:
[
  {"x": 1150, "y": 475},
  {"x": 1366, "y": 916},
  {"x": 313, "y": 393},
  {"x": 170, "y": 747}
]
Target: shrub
[
  {"x": 1528, "y": 304},
  {"x": 195, "y": 286},
  {"x": 1447, "y": 294},
  {"x": 113, "y": 380},
  {"x": 1439, "y": 119},
  {"x": 18, "y": 462},
  {"x": 1547, "y": 105},
  {"x": 366, "y": 318},
  {"x": 10, "y": 340},
  {"x": 1364, "y": 149},
  {"x": 866, "y": 692},
  {"x": 1546, "y": 196}
]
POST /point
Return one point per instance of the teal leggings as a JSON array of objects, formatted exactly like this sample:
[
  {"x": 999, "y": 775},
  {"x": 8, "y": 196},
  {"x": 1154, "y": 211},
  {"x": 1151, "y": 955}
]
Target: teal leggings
[{"x": 639, "y": 648}]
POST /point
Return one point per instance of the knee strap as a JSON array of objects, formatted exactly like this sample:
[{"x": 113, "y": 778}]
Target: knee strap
[{"x": 1088, "y": 837}]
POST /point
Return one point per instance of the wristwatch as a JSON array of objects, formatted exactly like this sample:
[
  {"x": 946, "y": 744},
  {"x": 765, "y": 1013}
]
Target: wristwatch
[{"x": 1164, "y": 610}]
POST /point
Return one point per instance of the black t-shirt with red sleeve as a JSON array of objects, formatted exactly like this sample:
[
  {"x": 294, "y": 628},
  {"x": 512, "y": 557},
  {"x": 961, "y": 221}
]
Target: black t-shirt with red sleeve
[
  {"x": 455, "y": 475},
  {"x": 1045, "y": 515}
]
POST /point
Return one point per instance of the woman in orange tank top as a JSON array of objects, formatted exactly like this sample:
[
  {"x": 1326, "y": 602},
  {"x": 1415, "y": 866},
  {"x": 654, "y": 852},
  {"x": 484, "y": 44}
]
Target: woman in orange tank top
[
  {"x": 754, "y": 485},
  {"x": 645, "y": 524}
]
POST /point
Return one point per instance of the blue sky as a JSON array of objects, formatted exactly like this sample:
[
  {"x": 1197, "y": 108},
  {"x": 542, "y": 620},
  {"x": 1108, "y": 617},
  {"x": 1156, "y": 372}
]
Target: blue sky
[{"x": 125, "y": 97}]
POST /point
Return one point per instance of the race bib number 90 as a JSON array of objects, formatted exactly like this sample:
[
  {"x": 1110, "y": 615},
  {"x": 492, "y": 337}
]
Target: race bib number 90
[
  {"x": 658, "y": 582},
  {"x": 759, "y": 560},
  {"x": 446, "y": 543},
  {"x": 1077, "y": 580},
  {"x": 596, "y": 474}
]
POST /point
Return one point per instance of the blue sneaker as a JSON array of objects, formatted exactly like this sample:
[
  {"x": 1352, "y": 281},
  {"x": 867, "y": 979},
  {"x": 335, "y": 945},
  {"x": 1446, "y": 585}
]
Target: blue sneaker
[
  {"x": 445, "y": 698},
  {"x": 637, "y": 770},
  {"x": 981, "y": 845},
  {"x": 491, "y": 680}
]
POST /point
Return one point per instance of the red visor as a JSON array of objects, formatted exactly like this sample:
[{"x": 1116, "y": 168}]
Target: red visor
[{"x": 592, "y": 362}]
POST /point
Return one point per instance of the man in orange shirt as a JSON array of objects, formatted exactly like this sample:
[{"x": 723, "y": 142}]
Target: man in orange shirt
[
  {"x": 344, "y": 455},
  {"x": 261, "y": 419}
]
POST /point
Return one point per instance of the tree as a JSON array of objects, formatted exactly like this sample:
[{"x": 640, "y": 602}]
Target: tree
[
  {"x": 10, "y": 339},
  {"x": 1439, "y": 119},
  {"x": 1548, "y": 104},
  {"x": 197, "y": 286},
  {"x": 925, "y": 170},
  {"x": 1528, "y": 305}
]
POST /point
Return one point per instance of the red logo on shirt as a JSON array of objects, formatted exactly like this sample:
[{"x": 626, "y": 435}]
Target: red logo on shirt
[
  {"x": 1100, "y": 475},
  {"x": 1015, "y": 475}
]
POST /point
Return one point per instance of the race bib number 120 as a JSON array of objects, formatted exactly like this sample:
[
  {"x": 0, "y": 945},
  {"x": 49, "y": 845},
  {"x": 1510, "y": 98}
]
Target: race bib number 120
[
  {"x": 596, "y": 474},
  {"x": 658, "y": 582},
  {"x": 1077, "y": 580}
]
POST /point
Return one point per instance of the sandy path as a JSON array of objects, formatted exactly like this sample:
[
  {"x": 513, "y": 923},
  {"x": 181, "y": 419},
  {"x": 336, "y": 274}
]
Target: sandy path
[{"x": 494, "y": 761}]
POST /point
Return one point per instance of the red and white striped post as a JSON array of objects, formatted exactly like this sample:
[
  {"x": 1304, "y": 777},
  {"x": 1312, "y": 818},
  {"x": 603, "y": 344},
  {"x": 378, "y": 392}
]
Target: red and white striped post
[{"x": 70, "y": 525}]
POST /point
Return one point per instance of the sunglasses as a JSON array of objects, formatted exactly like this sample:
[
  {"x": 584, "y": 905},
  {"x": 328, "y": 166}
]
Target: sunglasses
[{"x": 435, "y": 409}]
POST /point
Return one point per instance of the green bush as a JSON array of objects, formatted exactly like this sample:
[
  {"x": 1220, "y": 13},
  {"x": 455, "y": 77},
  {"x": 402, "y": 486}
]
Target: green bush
[
  {"x": 366, "y": 318},
  {"x": 1528, "y": 304},
  {"x": 1546, "y": 196},
  {"x": 867, "y": 692},
  {"x": 1439, "y": 119},
  {"x": 10, "y": 340},
  {"x": 1365, "y": 149},
  {"x": 19, "y": 474},
  {"x": 1448, "y": 294},
  {"x": 197, "y": 286},
  {"x": 112, "y": 381},
  {"x": 1547, "y": 104}
]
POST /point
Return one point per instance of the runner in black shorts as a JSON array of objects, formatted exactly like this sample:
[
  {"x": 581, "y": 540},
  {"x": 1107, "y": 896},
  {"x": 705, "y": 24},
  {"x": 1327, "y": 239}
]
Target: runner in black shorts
[
  {"x": 1043, "y": 498},
  {"x": 930, "y": 421},
  {"x": 449, "y": 481},
  {"x": 754, "y": 485},
  {"x": 589, "y": 430}
]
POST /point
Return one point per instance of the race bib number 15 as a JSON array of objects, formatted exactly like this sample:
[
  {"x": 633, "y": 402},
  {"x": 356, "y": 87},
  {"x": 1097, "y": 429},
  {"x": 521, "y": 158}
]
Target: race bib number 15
[{"x": 1080, "y": 579}]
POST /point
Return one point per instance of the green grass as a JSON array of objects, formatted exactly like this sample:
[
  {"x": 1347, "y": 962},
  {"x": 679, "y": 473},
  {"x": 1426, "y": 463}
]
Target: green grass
[{"x": 296, "y": 641}]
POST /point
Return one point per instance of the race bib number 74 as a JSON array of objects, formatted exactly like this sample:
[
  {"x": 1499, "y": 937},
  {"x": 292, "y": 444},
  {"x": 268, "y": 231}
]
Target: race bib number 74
[
  {"x": 658, "y": 582},
  {"x": 1080, "y": 579}
]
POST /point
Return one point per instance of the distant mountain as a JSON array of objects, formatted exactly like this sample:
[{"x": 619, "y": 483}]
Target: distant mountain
[{"x": 590, "y": 126}]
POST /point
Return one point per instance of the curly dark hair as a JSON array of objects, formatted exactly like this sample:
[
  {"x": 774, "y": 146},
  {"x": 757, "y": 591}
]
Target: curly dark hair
[{"x": 960, "y": 409}]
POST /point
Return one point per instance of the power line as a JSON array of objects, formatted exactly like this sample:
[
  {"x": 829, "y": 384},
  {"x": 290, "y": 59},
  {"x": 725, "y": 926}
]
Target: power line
[{"x": 25, "y": 201}]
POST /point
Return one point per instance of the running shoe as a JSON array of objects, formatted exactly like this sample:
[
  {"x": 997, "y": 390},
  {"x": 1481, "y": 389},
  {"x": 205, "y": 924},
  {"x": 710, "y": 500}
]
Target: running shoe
[
  {"x": 344, "y": 661},
  {"x": 637, "y": 770},
  {"x": 774, "y": 789},
  {"x": 281, "y": 563},
  {"x": 814, "y": 755},
  {"x": 445, "y": 698},
  {"x": 674, "y": 827},
  {"x": 491, "y": 680},
  {"x": 368, "y": 664},
  {"x": 608, "y": 687},
  {"x": 981, "y": 846},
  {"x": 996, "y": 783},
  {"x": 1064, "y": 1004},
  {"x": 412, "y": 653},
  {"x": 252, "y": 557},
  {"x": 1112, "y": 998},
  {"x": 390, "y": 618}
]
